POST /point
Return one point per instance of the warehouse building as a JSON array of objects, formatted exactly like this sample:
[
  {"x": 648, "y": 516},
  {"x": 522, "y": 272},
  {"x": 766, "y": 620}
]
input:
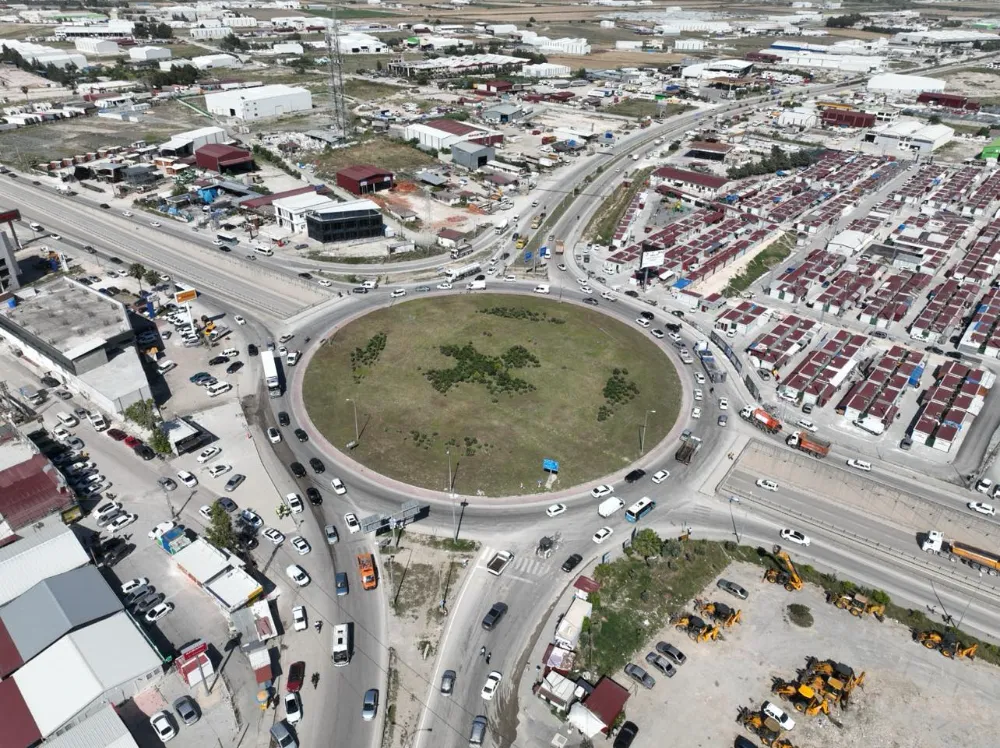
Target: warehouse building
[
  {"x": 340, "y": 222},
  {"x": 210, "y": 32},
  {"x": 251, "y": 104},
  {"x": 911, "y": 135},
  {"x": 148, "y": 54},
  {"x": 438, "y": 134},
  {"x": 186, "y": 143},
  {"x": 845, "y": 118},
  {"x": 31, "y": 488},
  {"x": 891, "y": 84},
  {"x": 688, "y": 182},
  {"x": 36, "y": 554},
  {"x": 948, "y": 101},
  {"x": 223, "y": 158},
  {"x": 97, "y": 47},
  {"x": 209, "y": 62},
  {"x": 472, "y": 155},
  {"x": 364, "y": 179}
]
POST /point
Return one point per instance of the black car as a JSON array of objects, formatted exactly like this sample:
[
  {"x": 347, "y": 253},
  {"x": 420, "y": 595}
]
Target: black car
[
  {"x": 234, "y": 367},
  {"x": 647, "y": 315},
  {"x": 89, "y": 250},
  {"x": 317, "y": 465},
  {"x": 226, "y": 503},
  {"x": 677, "y": 313},
  {"x": 115, "y": 260},
  {"x": 635, "y": 475},
  {"x": 626, "y": 735},
  {"x": 105, "y": 206},
  {"x": 301, "y": 435},
  {"x": 283, "y": 419},
  {"x": 297, "y": 470},
  {"x": 934, "y": 349},
  {"x": 359, "y": 290},
  {"x": 218, "y": 360},
  {"x": 592, "y": 302},
  {"x": 572, "y": 562},
  {"x": 673, "y": 327},
  {"x": 50, "y": 381},
  {"x": 633, "y": 294},
  {"x": 497, "y": 612},
  {"x": 144, "y": 451},
  {"x": 306, "y": 276},
  {"x": 953, "y": 354},
  {"x": 314, "y": 496},
  {"x": 252, "y": 350}
]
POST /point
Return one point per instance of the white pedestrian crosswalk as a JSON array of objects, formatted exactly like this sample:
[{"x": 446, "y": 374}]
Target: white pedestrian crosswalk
[{"x": 524, "y": 564}]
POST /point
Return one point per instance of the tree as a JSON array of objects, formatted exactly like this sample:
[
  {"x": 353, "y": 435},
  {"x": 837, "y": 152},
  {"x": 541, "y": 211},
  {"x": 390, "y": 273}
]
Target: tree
[
  {"x": 138, "y": 271},
  {"x": 647, "y": 544},
  {"x": 143, "y": 413},
  {"x": 220, "y": 531},
  {"x": 160, "y": 442},
  {"x": 934, "y": 119},
  {"x": 671, "y": 548},
  {"x": 152, "y": 277},
  {"x": 984, "y": 132},
  {"x": 24, "y": 90}
]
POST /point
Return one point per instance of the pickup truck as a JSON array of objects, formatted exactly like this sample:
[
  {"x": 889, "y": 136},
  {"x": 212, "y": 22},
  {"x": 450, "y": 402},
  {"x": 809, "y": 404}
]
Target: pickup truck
[{"x": 500, "y": 561}]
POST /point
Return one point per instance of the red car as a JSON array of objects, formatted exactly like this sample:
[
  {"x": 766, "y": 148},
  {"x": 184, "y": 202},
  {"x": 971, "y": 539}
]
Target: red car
[
  {"x": 131, "y": 441},
  {"x": 117, "y": 434},
  {"x": 296, "y": 674}
]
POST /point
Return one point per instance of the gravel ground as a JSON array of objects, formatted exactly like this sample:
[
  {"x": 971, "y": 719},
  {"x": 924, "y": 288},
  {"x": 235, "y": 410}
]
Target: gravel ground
[{"x": 913, "y": 697}]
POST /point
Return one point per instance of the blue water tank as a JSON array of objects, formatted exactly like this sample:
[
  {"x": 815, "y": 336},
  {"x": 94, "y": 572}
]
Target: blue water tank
[{"x": 11, "y": 302}]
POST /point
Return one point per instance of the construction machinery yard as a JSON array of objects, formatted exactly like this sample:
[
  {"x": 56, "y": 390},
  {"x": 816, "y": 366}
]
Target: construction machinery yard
[{"x": 847, "y": 680}]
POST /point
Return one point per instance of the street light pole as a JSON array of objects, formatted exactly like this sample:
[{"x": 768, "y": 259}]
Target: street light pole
[
  {"x": 642, "y": 439},
  {"x": 357, "y": 436}
]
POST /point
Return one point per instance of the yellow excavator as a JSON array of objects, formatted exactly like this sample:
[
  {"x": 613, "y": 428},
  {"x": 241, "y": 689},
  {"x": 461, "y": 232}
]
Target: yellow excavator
[
  {"x": 804, "y": 698},
  {"x": 695, "y": 627},
  {"x": 833, "y": 679},
  {"x": 947, "y": 644},
  {"x": 857, "y": 605},
  {"x": 787, "y": 575},
  {"x": 722, "y": 613},
  {"x": 709, "y": 633},
  {"x": 765, "y": 728}
]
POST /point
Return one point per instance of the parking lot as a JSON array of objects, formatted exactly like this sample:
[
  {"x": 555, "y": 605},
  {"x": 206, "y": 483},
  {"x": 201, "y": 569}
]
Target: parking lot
[{"x": 912, "y": 697}]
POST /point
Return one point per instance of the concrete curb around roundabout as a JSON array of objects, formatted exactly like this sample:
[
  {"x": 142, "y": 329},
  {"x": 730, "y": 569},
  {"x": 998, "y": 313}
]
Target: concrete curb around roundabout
[{"x": 407, "y": 491}]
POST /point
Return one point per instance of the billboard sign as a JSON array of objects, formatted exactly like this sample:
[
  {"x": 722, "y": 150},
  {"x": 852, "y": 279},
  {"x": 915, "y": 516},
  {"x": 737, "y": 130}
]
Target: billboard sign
[
  {"x": 183, "y": 297},
  {"x": 550, "y": 466},
  {"x": 527, "y": 256},
  {"x": 652, "y": 258}
]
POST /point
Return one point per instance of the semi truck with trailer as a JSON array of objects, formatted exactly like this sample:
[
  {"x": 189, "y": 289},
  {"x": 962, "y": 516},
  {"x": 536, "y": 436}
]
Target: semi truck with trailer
[
  {"x": 761, "y": 419},
  {"x": 809, "y": 443},
  {"x": 977, "y": 558}
]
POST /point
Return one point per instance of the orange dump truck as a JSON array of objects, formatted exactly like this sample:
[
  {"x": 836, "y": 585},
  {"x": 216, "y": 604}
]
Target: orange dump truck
[{"x": 366, "y": 567}]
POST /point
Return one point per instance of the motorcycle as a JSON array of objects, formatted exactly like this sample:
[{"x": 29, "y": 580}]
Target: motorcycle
[{"x": 318, "y": 625}]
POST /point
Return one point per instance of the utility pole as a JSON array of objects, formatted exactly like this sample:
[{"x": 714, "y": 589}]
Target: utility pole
[
  {"x": 357, "y": 435},
  {"x": 642, "y": 438}
]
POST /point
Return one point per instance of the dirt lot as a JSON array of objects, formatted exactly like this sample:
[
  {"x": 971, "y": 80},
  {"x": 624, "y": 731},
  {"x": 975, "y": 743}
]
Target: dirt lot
[
  {"x": 422, "y": 575},
  {"x": 981, "y": 83},
  {"x": 912, "y": 697},
  {"x": 387, "y": 154}
]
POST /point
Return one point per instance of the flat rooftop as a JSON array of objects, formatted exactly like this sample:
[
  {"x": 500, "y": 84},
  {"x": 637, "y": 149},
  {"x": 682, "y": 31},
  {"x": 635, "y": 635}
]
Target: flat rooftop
[{"x": 69, "y": 316}]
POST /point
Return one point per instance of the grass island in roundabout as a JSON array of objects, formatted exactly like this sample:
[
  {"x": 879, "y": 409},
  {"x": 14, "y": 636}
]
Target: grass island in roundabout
[{"x": 502, "y": 382}]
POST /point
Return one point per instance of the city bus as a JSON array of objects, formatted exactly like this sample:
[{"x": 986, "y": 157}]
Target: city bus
[
  {"x": 227, "y": 238},
  {"x": 639, "y": 509},
  {"x": 341, "y": 650}
]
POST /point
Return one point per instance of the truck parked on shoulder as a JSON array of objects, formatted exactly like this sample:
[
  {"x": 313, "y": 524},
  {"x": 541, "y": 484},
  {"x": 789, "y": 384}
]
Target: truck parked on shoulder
[
  {"x": 761, "y": 419},
  {"x": 978, "y": 559},
  {"x": 500, "y": 561},
  {"x": 809, "y": 443}
]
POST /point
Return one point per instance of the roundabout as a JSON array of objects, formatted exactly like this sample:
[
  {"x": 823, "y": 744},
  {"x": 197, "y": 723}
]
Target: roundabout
[{"x": 483, "y": 388}]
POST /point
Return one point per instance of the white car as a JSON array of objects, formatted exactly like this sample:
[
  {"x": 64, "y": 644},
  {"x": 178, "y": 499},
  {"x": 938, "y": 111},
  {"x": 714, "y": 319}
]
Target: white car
[
  {"x": 218, "y": 469},
  {"x": 603, "y": 534},
  {"x": 660, "y": 475},
  {"x": 607, "y": 296},
  {"x": 338, "y": 486},
  {"x": 778, "y": 715},
  {"x": 509, "y": 279},
  {"x": 860, "y": 465},
  {"x": 250, "y": 517},
  {"x": 61, "y": 434},
  {"x": 134, "y": 584},
  {"x": 127, "y": 213},
  {"x": 397, "y": 293},
  {"x": 642, "y": 322},
  {"x": 699, "y": 377},
  {"x": 696, "y": 412},
  {"x": 207, "y": 454},
  {"x": 205, "y": 511},
  {"x": 187, "y": 479},
  {"x": 239, "y": 320},
  {"x": 299, "y": 622},
  {"x": 767, "y": 484},
  {"x": 806, "y": 424},
  {"x": 491, "y": 685},
  {"x": 298, "y": 575},
  {"x": 122, "y": 521},
  {"x": 160, "y": 529},
  {"x": 978, "y": 506},
  {"x": 352, "y": 523},
  {"x": 984, "y": 485},
  {"x": 444, "y": 286},
  {"x": 217, "y": 242},
  {"x": 587, "y": 290},
  {"x": 698, "y": 395},
  {"x": 582, "y": 281},
  {"x": 163, "y": 726},
  {"x": 555, "y": 510},
  {"x": 154, "y": 224},
  {"x": 273, "y": 435},
  {"x": 331, "y": 534},
  {"x": 274, "y": 536},
  {"x": 599, "y": 492},
  {"x": 157, "y": 612},
  {"x": 293, "y": 708},
  {"x": 294, "y": 502},
  {"x": 325, "y": 283},
  {"x": 301, "y": 545},
  {"x": 795, "y": 536},
  {"x": 723, "y": 403}
]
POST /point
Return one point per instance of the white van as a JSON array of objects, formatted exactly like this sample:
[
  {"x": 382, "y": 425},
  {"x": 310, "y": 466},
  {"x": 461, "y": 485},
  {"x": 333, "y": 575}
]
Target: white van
[
  {"x": 542, "y": 288},
  {"x": 218, "y": 388},
  {"x": 476, "y": 286},
  {"x": 609, "y": 506},
  {"x": 293, "y": 357},
  {"x": 97, "y": 421},
  {"x": 67, "y": 420},
  {"x": 266, "y": 251},
  {"x": 165, "y": 365}
]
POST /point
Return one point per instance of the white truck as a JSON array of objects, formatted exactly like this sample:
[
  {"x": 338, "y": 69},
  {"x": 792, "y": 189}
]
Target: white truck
[
  {"x": 500, "y": 561},
  {"x": 476, "y": 285},
  {"x": 501, "y": 225}
]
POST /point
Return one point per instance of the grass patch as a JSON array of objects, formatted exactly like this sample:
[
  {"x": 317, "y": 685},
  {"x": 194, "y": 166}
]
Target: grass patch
[
  {"x": 800, "y": 615},
  {"x": 764, "y": 261},
  {"x": 642, "y": 108},
  {"x": 388, "y": 154},
  {"x": 603, "y": 223},
  {"x": 497, "y": 441},
  {"x": 369, "y": 90},
  {"x": 416, "y": 585},
  {"x": 447, "y": 544}
]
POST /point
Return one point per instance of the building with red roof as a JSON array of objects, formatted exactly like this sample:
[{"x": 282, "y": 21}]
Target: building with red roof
[
  {"x": 364, "y": 179},
  {"x": 223, "y": 158},
  {"x": 689, "y": 182}
]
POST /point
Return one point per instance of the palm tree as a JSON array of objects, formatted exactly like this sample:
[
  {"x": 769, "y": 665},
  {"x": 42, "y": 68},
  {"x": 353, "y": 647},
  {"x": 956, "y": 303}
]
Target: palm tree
[
  {"x": 138, "y": 271},
  {"x": 152, "y": 277}
]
